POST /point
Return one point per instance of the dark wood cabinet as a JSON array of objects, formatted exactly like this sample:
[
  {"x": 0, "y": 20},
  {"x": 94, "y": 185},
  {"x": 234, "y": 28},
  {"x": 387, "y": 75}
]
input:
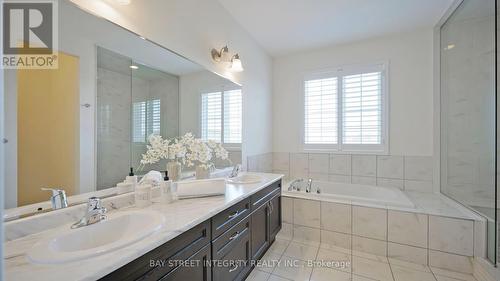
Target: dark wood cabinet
[
  {"x": 274, "y": 216},
  {"x": 196, "y": 268},
  {"x": 236, "y": 263},
  {"x": 219, "y": 249},
  {"x": 260, "y": 231}
]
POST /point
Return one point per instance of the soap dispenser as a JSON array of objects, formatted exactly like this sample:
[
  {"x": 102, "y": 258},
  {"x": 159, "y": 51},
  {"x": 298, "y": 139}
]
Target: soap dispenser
[
  {"x": 131, "y": 178},
  {"x": 166, "y": 189}
]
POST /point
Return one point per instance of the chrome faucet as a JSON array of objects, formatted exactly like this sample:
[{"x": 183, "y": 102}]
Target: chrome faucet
[
  {"x": 95, "y": 213},
  {"x": 236, "y": 170},
  {"x": 309, "y": 185},
  {"x": 58, "y": 198},
  {"x": 294, "y": 185}
]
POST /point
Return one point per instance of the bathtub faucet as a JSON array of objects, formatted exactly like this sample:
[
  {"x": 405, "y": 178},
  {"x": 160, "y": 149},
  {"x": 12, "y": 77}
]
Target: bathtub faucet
[
  {"x": 294, "y": 185},
  {"x": 309, "y": 185}
]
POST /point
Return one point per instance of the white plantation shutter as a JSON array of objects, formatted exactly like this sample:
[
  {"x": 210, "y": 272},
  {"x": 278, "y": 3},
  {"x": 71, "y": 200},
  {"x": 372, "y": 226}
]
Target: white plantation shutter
[
  {"x": 362, "y": 108},
  {"x": 146, "y": 119},
  {"x": 232, "y": 116},
  {"x": 154, "y": 117},
  {"x": 139, "y": 121},
  {"x": 321, "y": 111},
  {"x": 345, "y": 110},
  {"x": 211, "y": 116}
]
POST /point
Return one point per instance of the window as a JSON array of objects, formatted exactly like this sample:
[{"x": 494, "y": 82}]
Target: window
[
  {"x": 345, "y": 110},
  {"x": 211, "y": 116},
  {"x": 146, "y": 119},
  {"x": 221, "y": 114}
]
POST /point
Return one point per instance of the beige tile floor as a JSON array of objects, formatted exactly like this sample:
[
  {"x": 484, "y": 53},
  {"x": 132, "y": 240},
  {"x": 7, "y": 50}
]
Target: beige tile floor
[{"x": 290, "y": 260}]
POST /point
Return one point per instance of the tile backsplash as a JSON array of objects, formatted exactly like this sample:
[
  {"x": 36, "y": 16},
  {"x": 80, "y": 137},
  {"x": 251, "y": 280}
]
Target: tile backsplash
[{"x": 405, "y": 172}]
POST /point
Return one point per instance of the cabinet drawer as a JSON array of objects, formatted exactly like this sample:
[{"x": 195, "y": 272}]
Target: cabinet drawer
[
  {"x": 229, "y": 217},
  {"x": 222, "y": 245},
  {"x": 197, "y": 268},
  {"x": 261, "y": 197},
  {"x": 179, "y": 248},
  {"x": 235, "y": 265}
]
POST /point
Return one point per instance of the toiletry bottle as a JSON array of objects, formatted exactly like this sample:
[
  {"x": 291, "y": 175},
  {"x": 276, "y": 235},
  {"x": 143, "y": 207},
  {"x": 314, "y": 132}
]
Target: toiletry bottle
[
  {"x": 143, "y": 195},
  {"x": 131, "y": 178},
  {"x": 166, "y": 189}
]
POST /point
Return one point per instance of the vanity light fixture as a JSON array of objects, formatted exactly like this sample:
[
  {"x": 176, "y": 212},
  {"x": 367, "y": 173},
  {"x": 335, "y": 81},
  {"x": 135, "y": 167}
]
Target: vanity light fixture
[
  {"x": 236, "y": 65},
  {"x": 222, "y": 55},
  {"x": 134, "y": 67}
]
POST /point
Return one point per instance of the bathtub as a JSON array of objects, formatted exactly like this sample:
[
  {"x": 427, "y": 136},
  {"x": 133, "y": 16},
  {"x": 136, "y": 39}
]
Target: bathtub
[{"x": 353, "y": 193}]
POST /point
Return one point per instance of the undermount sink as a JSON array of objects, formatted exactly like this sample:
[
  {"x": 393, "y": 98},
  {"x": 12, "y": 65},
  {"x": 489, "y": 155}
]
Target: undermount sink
[
  {"x": 245, "y": 179},
  {"x": 116, "y": 232}
]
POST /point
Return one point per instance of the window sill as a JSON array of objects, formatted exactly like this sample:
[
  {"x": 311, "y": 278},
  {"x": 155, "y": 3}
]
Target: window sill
[
  {"x": 346, "y": 151},
  {"x": 232, "y": 149}
]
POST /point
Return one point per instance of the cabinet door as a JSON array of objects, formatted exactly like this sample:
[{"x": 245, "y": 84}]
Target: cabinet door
[
  {"x": 234, "y": 266},
  {"x": 260, "y": 231},
  {"x": 274, "y": 216},
  {"x": 197, "y": 268}
]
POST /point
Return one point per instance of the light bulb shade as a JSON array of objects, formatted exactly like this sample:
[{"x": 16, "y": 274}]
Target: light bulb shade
[{"x": 236, "y": 65}]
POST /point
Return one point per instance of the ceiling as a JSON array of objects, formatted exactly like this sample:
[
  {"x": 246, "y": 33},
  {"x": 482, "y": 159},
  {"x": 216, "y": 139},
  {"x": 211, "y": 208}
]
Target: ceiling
[{"x": 285, "y": 26}]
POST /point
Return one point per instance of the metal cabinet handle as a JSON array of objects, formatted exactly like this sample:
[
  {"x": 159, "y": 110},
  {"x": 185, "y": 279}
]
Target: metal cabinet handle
[
  {"x": 234, "y": 236},
  {"x": 233, "y": 215},
  {"x": 234, "y": 268}
]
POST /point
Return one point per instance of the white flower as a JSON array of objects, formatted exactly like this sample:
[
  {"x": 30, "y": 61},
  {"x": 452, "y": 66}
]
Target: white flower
[{"x": 188, "y": 150}]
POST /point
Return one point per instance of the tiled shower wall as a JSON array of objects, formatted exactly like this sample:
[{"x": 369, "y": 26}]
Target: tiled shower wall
[{"x": 405, "y": 172}]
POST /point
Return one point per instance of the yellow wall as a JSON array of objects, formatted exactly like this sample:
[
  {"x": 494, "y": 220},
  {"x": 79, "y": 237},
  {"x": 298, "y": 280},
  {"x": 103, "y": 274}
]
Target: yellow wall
[{"x": 48, "y": 134}]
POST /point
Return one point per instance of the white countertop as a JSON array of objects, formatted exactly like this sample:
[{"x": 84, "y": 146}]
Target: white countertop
[{"x": 180, "y": 216}]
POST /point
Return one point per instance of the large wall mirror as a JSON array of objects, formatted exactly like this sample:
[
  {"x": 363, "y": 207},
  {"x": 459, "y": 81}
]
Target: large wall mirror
[{"x": 81, "y": 127}]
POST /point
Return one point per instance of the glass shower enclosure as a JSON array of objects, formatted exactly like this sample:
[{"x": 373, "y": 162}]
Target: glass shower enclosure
[
  {"x": 468, "y": 109},
  {"x": 133, "y": 102}
]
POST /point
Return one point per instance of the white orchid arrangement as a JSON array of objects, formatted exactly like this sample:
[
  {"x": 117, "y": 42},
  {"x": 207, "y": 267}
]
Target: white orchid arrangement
[{"x": 188, "y": 150}]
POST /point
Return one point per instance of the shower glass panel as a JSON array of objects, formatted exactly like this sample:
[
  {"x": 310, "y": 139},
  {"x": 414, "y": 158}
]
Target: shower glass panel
[
  {"x": 133, "y": 102},
  {"x": 114, "y": 96},
  {"x": 468, "y": 96},
  {"x": 155, "y": 110}
]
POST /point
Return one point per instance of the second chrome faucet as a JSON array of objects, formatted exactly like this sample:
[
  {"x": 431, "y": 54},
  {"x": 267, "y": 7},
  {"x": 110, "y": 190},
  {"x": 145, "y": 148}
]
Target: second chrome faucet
[{"x": 95, "y": 213}]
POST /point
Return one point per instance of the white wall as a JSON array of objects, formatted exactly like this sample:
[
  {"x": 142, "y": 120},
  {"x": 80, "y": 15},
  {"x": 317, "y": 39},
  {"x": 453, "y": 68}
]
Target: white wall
[
  {"x": 192, "y": 28},
  {"x": 410, "y": 89}
]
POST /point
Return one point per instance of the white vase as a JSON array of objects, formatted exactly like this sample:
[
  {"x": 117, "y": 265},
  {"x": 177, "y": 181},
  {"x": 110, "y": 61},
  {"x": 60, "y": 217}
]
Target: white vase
[
  {"x": 174, "y": 169},
  {"x": 202, "y": 172}
]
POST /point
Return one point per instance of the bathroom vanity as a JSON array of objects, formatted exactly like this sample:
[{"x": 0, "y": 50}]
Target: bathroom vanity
[
  {"x": 213, "y": 238},
  {"x": 221, "y": 248}
]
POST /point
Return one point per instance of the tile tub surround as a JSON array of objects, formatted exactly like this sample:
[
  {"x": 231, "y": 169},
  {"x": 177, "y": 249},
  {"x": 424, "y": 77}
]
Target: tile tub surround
[
  {"x": 420, "y": 238},
  {"x": 180, "y": 216},
  {"x": 261, "y": 163},
  {"x": 404, "y": 172}
]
